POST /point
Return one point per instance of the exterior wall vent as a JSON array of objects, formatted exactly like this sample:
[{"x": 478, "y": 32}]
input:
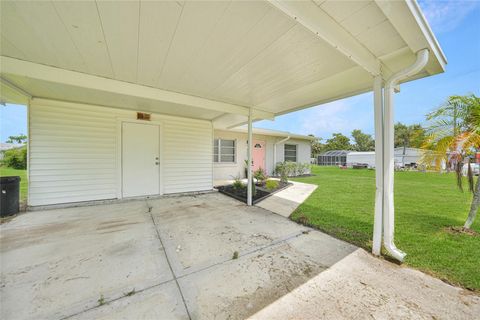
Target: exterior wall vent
[{"x": 143, "y": 116}]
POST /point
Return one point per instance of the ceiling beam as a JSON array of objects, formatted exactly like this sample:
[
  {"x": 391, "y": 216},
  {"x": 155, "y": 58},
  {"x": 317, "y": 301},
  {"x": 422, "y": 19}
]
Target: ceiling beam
[
  {"x": 83, "y": 80},
  {"x": 313, "y": 18}
]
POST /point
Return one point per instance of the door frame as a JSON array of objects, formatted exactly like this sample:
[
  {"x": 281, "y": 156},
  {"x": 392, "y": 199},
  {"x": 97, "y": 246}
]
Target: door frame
[{"x": 119, "y": 153}]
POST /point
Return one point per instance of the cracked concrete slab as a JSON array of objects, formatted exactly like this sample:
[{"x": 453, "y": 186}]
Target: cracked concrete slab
[
  {"x": 201, "y": 233},
  {"x": 59, "y": 262},
  {"x": 161, "y": 302},
  {"x": 243, "y": 286}
]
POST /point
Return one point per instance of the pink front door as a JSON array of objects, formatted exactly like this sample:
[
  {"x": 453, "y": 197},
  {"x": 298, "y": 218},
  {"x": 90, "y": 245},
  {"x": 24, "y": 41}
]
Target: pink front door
[{"x": 258, "y": 155}]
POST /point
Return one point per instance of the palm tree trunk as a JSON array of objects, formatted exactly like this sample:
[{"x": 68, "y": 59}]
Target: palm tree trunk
[{"x": 475, "y": 205}]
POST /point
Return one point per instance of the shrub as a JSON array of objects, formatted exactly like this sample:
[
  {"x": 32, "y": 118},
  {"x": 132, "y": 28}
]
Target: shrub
[
  {"x": 237, "y": 184},
  {"x": 271, "y": 185},
  {"x": 260, "y": 175},
  {"x": 291, "y": 169},
  {"x": 303, "y": 168},
  {"x": 281, "y": 169},
  {"x": 15, "y": 158}
]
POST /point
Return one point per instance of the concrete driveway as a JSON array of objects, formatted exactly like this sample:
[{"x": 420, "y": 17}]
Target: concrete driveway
[
  {"x": 172, "y": 258},
  {"x": 163, "y": 258}
]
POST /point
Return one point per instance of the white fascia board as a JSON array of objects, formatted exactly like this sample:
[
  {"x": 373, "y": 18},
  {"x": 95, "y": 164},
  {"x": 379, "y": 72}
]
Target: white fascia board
[
  {"x": 313, "y": 18},
  {"x": 409, "y": 21},
  {"x": 83, "y": 80}
]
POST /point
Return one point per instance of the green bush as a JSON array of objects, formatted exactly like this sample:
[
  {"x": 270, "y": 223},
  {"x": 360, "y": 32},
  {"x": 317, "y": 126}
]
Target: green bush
[
  {"x": 260, "y": 175},
  {"x": 271, "y": 185},
  {"x": 281, "y": 169},
  {"x": 237, "y": 184},
  {"x": 15, "y": 158},
  {"x": 291, "y": 169}
]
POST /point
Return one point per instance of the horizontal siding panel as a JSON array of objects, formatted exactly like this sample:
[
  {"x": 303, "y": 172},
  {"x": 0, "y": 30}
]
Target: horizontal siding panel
[
  {"x": 58, "y": 155},
  {"x": 47, "y": 200},
  {"x": 67, "y": 166},
  {"x": 189, "y": 178},
  {"x": 87, "y": 134},
  {"x": 41, "y": 178},
  {"x": 73, "y": 152},
  {"x": 65, "y": 128},
  {"x": 68, "y": 183},
  {"x": 78, "y": 188}
]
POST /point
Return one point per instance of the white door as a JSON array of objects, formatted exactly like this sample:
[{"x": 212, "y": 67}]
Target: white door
[{"x": 140, "y": 159}]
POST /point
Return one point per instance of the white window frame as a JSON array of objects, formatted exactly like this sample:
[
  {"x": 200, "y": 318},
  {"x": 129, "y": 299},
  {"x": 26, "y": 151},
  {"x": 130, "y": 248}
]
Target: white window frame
[
  {"x": 285, "y": 150},
  {"x": 217, "y": 158}
]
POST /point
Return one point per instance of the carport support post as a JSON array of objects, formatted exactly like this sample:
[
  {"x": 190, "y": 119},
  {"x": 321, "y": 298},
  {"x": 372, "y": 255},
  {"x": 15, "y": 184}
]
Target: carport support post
[
  {"x": 379, "y": 165},
  {"x": 249, "y": 157}
]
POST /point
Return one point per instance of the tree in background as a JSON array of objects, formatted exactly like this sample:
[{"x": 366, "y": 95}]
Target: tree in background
[
  {"x": 408, "y": 136},
  {"x": 20, "y": 139},
  {"x": 455, "y": 131},
  {"x": 363, "y": 141},
  {"x": 317, "y": 146},
  {"x": 338, "y": 142}
]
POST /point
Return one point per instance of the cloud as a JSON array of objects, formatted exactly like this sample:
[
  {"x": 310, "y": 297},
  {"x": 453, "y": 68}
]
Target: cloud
[
  {"x": 327, "y": 118},
  {"x": 446, "y": 15},
  {"x": 339, "y": 116}
]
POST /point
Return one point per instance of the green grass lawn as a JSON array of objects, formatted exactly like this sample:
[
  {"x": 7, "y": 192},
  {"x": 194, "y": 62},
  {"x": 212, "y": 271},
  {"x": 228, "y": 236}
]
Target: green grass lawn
[
  {"x": 425, "y": 205},
  {"x": 5, "y": 171}
]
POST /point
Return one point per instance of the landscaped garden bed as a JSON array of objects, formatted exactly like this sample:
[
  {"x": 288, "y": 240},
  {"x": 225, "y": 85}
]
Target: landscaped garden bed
[
  {"x": 261, "y": 192},
  {"x": 265, "y": 187}
]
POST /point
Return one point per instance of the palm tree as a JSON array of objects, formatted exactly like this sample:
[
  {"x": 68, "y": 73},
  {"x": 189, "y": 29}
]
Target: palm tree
[{"x": 454, "y": 132}]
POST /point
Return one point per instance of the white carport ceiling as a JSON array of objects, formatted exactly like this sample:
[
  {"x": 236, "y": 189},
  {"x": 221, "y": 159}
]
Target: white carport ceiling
[{"x": 273, "y": 56}]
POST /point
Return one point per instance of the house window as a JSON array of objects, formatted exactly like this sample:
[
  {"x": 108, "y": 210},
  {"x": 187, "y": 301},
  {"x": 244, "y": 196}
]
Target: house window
[
  {"x": 290, "y": 152},
  {"x": 224, "y": 150}
]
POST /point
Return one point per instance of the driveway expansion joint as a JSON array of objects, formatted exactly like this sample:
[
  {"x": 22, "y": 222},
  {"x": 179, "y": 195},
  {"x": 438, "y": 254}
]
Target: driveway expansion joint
[{"x": 168, "y": 261}]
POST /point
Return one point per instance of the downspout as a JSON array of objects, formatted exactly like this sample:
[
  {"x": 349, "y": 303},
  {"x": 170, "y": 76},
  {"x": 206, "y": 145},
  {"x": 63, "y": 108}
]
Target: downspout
[
  {"x": 388, "y": 210},
  {"x": 275, "y": 150}
]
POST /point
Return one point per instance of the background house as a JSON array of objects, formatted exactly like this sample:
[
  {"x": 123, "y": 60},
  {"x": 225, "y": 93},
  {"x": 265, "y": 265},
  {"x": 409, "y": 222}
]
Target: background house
[{"x": 403, "y": 157}]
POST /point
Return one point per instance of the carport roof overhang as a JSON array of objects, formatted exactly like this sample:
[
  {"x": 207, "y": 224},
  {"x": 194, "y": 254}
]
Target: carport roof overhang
[{"x": 208, "y": 60}]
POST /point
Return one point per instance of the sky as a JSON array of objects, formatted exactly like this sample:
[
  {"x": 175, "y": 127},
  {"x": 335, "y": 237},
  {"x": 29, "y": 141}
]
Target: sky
[{"x": 456, "y": 25}]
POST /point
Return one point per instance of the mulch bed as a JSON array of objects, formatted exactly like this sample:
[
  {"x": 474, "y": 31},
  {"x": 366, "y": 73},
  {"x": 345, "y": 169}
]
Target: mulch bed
[
  {"x": 461, "y": 230},
  {"x": 241, "y": 194}
]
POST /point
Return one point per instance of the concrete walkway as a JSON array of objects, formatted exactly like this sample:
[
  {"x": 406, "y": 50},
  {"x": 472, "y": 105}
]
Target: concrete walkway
[
  {"x": 286, "y": 201},
  {"x": 364, "y": 287}
]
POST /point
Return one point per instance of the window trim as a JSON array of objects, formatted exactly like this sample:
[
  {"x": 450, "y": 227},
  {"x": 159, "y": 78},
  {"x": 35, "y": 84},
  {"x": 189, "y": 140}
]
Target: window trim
[
  {"x": 296, "y": 152},
  {"x": 217, "y": 158}
]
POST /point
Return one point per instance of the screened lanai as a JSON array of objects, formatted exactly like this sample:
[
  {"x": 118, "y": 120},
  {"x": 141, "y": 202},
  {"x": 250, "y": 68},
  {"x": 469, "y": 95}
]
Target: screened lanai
[{"x": 333, "y": 158}]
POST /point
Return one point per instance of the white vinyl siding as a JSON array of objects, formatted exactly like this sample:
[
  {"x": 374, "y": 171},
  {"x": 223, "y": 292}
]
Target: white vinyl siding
[
  {"x": 73, "y": 152},
  {"x": 224, "y": 150},
  {"x": 290, "y": 152}
]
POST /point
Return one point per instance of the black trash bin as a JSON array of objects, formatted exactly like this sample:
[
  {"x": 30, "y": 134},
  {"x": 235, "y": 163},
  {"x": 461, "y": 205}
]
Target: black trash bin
[{"x": 10, "y": 194}]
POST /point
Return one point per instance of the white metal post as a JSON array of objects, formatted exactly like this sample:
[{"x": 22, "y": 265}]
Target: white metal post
[
  {"x": 249, "y": 157},
  {"x": 378, "y": 116}
]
